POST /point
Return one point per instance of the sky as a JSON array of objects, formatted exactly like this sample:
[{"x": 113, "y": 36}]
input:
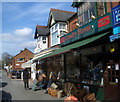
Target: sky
[{"x": 19, "y": 20}]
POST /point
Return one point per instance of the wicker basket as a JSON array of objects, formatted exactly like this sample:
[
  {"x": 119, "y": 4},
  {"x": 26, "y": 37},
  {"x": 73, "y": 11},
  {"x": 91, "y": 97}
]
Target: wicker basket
[
  {"x": 54, "y": 92},
  {"x": 49, "y": 91}
]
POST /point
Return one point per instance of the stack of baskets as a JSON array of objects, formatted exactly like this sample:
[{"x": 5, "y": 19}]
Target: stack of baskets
[
  {"x": 54, "y": 92},
  {"x": 49, "y": 91}
]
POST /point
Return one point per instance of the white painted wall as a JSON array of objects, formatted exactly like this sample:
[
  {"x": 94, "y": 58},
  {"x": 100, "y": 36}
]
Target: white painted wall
[{"x": 40, "y": 45}]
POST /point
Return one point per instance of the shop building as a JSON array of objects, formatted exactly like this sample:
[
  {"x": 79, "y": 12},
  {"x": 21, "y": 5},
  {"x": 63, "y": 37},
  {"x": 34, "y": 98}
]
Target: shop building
[
  {"x": 87, "y": 57},
  {"x": 93, "y": 61}
]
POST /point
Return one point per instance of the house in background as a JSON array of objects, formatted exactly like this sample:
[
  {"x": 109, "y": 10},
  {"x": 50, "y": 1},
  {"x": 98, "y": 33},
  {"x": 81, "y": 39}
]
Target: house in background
[{"x": 24, "y": 56}]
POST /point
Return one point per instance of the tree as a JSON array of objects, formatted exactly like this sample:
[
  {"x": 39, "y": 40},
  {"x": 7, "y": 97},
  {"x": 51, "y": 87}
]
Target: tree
[{"x": 6, "y": 58}]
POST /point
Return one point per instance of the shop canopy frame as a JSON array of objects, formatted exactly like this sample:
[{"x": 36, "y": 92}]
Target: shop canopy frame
[{"x": 72, "y": 46}]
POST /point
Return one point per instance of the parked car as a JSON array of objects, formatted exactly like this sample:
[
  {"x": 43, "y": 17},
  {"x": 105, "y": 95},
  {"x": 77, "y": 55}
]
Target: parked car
[
  {"x": 18, "y": 75},
  {"x": 13, "y": 72}
]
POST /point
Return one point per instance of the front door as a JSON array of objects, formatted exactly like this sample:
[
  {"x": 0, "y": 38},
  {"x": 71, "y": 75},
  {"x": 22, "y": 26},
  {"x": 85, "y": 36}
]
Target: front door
[{"x": 112, "y": 82}]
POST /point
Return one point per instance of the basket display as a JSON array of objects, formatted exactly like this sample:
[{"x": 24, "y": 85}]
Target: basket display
[
  {"x": 54, "y": 92},
  {"x": 49, "y": 91}
]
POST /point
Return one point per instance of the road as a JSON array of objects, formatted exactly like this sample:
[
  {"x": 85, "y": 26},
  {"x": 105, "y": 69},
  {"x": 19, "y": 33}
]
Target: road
[{"x": 12, "y": 89}]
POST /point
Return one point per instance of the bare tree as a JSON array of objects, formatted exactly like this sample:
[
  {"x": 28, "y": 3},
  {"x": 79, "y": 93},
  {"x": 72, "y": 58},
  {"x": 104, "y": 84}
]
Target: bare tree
[{"x": 6, "y": 58}]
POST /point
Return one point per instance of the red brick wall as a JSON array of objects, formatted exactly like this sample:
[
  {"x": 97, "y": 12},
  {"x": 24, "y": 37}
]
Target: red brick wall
[
  {"x": 108, "y": 6},
  {"x": 72, "y": 23},
  {"x": 113, "y": 5},
  {"x": 26, "y": 54}
]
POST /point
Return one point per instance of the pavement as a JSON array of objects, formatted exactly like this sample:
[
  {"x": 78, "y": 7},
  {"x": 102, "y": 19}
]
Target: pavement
[{"x": 13, "y": 89}]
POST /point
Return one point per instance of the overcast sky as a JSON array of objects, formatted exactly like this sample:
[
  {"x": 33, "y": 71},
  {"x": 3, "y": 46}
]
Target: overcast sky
[{"x": 19, "y": 20}]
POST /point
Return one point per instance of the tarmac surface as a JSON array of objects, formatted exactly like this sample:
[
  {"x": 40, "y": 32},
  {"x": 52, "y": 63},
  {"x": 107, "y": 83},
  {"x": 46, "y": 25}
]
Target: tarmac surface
[{"x": 13, "y": 89}]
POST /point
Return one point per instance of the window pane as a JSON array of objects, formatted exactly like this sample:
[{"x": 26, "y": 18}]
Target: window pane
[
  {"x": 43, "y": 38},
  {"x": 52, "y": 29},
  {"x": 81, "y": 19},
  {"x": 62, "y": 26},
  {"x": 91, "y": 12},
  {"x": 101, "y": 8},
  {"x": 62, "y": 33},
  {"x": 56, "y": 26},
  {"x": 86, "y": 17},
  {"x": 54, "y": 38}
]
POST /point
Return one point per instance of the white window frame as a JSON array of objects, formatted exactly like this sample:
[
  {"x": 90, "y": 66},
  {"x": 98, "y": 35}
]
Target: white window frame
[
  {"x": 58, "y": 32},
  {"x": 19, "y": 60}
]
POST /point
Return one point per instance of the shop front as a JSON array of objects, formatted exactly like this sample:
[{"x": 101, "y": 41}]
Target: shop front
[{"x": 94, "y": 61}]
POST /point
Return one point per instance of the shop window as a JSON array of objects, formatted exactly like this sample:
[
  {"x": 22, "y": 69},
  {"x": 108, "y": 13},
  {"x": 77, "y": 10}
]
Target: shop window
[
  {"x": 100, "y": 8},
  {"x": 92, "y": 69},
  {"x": 72, "y": 66}
]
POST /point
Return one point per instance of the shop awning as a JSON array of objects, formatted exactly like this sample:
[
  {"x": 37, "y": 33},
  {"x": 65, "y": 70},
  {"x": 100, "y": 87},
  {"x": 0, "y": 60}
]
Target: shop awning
[
  {"x": 87, "y": 41},
  {"x": 72, "y": 46}
]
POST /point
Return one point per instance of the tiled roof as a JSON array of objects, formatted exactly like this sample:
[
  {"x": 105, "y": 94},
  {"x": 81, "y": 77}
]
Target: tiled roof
[
  {"x": 61, "y": 15},
  {"x": 41, "y": 31},
  {"x": 53, "y": 9}
]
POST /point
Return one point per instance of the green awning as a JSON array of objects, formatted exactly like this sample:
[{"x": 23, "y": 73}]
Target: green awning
[
  {"x": 87, "y": 41},
  {"x": 72, "y": 46}
]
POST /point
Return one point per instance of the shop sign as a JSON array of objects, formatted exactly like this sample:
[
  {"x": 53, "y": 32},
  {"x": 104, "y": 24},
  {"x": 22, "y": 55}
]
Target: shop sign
[
  {"x": 113, "y": 37},
  {"x": 104, "y": 21},
  {"x": 116, "y": 16},
  {"x": 116, "y": 23},
  {"x": 87, "y": 30}
]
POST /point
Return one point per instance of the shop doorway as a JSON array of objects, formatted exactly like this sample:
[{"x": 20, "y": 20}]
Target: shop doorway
[
  {"x": 112, "y": 88},
  {"x": 112, "y": 77}
]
